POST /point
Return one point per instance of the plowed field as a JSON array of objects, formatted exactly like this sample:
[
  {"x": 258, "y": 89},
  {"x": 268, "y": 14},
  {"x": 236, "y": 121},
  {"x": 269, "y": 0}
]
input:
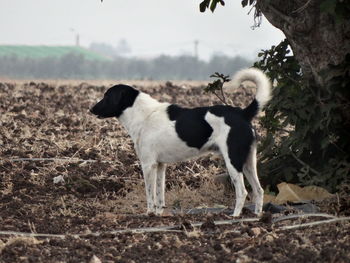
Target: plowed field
[{"x": 96, "y": 212}]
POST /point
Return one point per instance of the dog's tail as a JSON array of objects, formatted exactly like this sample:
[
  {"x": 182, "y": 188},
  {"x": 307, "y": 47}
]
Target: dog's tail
[{"x": 263, "y": 87}]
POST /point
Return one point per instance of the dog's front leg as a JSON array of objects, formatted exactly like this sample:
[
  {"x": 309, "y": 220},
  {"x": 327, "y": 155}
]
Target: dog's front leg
[
  {"x": 150, "y": 177},
  {"x": 160, "y": 189}
]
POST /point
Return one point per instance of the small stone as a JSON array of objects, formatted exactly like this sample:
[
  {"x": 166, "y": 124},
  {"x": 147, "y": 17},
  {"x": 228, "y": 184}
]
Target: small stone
[
  {"x": 256, "y": 231},
  {"x": 95, "y": 259},
  {"x": 58, "y": 179},
  {"x": 270, "y": 238}
]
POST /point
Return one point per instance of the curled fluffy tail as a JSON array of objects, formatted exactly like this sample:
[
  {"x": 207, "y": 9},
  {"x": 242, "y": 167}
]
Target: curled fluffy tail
[{"x": 263, "y": 86}]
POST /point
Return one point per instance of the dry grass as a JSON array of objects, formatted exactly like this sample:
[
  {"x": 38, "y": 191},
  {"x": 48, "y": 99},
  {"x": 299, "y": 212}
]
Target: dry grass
[
  {"x": 179, "y": 196},
  {"x": 15, "y": 241}
]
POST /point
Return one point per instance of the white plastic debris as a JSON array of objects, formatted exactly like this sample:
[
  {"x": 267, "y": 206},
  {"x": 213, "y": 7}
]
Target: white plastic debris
[{"x": 58, "y": 179}]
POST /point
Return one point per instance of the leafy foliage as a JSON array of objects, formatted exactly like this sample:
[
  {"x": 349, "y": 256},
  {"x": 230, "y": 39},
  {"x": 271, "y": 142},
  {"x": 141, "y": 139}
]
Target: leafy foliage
[
  {"x": 257, "y": 11},
  {"x": 307, "y": 139},
  {"x": 307, "y": 127},
  {"x": 217, "y": 86},
  {"x": 211, "y": 4}
]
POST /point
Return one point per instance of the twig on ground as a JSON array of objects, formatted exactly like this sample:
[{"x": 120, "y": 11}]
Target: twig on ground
[
  {"x": 302, "y": 216},
  {"x": 314, "y": 223},
  {"x": 54, "y": 160},
  {"x": 177, "y": 228},
  {"x": 15, "y": 233}
]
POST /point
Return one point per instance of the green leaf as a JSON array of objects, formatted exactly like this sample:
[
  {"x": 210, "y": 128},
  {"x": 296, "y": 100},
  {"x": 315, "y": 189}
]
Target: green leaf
[
  {"x": 204, "y": 5},
  {"x": 213, "y": 5}
]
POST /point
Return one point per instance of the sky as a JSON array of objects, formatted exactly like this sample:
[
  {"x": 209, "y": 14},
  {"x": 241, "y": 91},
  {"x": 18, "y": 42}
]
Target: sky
[{"x": 150, "y": 27}]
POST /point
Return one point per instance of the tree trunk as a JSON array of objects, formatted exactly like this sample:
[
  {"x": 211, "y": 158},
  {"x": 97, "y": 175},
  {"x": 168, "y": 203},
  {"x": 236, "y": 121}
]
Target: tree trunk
[{"x": 315, "y": 37}]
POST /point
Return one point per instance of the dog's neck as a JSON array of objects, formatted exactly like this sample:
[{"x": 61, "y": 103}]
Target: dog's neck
[{"x": 133, "y": 117}]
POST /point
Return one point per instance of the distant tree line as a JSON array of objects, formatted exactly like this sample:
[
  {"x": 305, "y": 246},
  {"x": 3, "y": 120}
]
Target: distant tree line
[{"x": 73, "y": 66}]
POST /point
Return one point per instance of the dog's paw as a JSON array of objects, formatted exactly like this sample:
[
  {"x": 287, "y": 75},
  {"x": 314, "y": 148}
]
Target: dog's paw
[
  {"x": 159, "y": 211},
  {"x": 258, "y": 214},
  {"x": 235, "y": 215}
]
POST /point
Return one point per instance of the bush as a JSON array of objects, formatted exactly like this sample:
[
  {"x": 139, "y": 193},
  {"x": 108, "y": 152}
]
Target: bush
[{"x": 307, "y": 127}]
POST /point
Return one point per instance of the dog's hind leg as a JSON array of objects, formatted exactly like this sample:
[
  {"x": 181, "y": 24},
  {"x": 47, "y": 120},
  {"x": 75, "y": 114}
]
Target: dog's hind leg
[
  {"x": 250, "y": 172},
  {"x": 160, "y": 189},
  {"x": 150, "y": 177},
  {"x": 241, "y": 192},
  {"x": 238, "y": 181}
]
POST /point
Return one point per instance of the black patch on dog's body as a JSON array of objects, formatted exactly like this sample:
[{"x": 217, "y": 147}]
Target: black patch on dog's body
[
  {"x": 192, "y": 128},
  {"x": 190, "y": 125},
  {"x": 241, "y": 135},
  {"x": 115, "y": 101}
]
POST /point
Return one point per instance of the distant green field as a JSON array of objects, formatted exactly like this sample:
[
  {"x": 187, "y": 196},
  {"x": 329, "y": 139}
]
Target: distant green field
[{"x": 23, "y": 51}]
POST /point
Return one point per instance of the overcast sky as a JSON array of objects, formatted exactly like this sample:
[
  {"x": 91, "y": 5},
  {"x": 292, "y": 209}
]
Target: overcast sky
[{"x": 151, "y": 27}]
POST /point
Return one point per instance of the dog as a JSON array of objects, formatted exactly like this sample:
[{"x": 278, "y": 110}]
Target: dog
[{"x": 165, "y": 133}]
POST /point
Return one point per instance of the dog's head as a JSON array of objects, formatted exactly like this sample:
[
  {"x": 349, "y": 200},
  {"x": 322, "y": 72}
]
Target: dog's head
[{"x": 115, "y": 101}]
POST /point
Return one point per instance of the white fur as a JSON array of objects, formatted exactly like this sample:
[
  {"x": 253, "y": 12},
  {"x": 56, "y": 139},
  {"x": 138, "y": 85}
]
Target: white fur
[
  {"x": 157, "y": 143},
  {"x": 262, "y": 83}
]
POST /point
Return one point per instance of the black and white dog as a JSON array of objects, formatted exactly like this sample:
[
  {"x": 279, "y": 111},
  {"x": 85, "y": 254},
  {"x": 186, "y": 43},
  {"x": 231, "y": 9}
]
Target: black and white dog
[{"x": 165, "y": 133}]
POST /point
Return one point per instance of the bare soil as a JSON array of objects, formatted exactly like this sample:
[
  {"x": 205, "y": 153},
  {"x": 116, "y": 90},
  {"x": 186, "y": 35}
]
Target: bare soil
[{"x": 104, "y": 194}]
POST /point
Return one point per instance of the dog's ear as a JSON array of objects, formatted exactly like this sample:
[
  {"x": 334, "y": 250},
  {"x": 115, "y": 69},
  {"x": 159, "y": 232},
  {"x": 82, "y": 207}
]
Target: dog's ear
[
  {"x": 112, "y": 103},
  {"x": 116, "y": 97},
  {"x": 124, "y": 97},
  {"x": 115, "y": 101}
]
